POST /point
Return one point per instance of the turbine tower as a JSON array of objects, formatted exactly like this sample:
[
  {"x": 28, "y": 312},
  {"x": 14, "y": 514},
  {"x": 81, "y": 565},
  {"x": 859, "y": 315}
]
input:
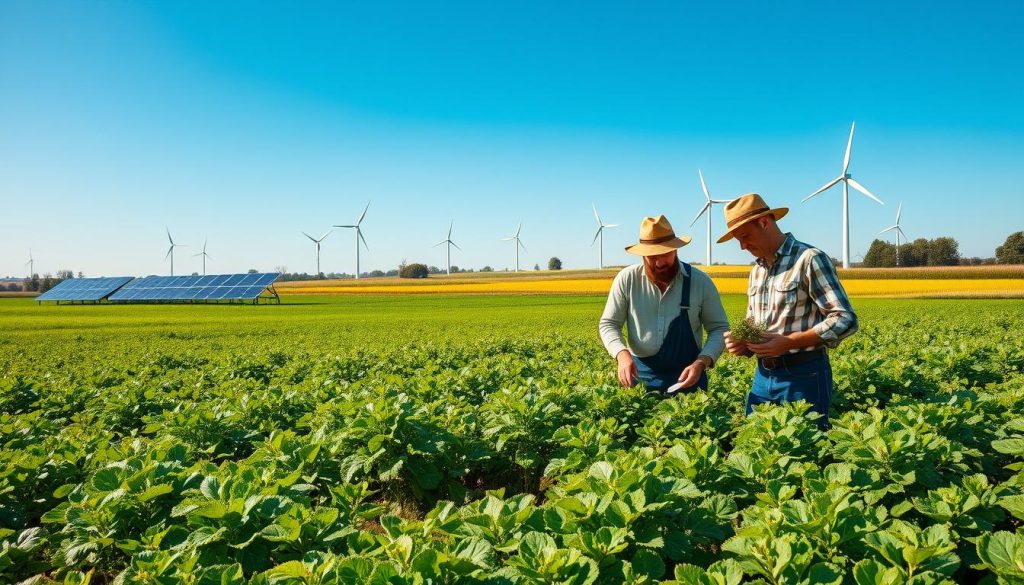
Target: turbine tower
[
  {"x": 518, "y": 244},
  {"x": 317, "y": 242},
  {"x": 170, "y": 250},
  {"x": 708, "y": 205},
  {"x": 204, "y": 255},
  {"x": 899, "y": 232},
  {"x": 848, "y": 181},
  {"x": 31, "y": 265},
  {"x": 600, "y": 235},
  {"x": 359, "y": 236},
  {"x": 448, "y": 240}
]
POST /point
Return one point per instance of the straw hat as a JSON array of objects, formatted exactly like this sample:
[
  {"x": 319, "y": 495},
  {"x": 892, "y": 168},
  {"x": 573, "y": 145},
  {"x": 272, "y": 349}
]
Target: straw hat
[
  {"x": 657, "y": 237},
  {"x": 746, "y": 209}
]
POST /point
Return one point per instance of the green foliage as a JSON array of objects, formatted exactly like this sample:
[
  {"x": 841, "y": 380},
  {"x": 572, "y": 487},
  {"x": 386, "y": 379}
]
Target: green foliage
[
  {"x": 485, "y": 440},
  {"x": 748, "y": 331}
]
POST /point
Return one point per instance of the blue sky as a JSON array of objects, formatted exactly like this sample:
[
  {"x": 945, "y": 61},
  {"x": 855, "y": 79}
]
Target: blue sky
[{"x": 247, "y": 122}]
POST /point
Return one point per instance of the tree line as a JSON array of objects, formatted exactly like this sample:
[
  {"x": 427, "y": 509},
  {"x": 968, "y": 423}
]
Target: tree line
[{"x": 943, "y": 251}]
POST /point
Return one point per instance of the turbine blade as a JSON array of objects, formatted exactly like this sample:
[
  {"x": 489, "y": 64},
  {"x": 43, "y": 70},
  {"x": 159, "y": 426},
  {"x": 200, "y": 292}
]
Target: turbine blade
[
  {"x": 309, "y": 236},
  {"x": 199, "y": 254},
  {"x": 596, "y": 216},
  {"x": 703, "y": 185},
  {"x": 169, "y": 250},
  {"x": 519, "y": 229},
  {"x": 456, "y": 246},
  {"x": 597, "y": 234},
  {"x": 169, "y": 235},
  {"x": 439, "y": 243},
  {"x": 450, "y": 226},
  {"x": 702, "y": 210},
  {"x": 863, "y": 190},
  {"x": 363, "y": 214},
  {"x": 900, "y": 231},
  {"x": 849, "y": 146},
  {"x": 889, "y": 229},
  {"x": 344, "y": 226},
  {"x": 324, "y": 237},
  {"x": 826, "y": 187},
  {"x": 898, "y": 211},
  {"x": 521, "y": 244},
  {"x": 365, "y": 245},
  {"x": 507, "y": 239},
  {"x": 611, "y": 225}
]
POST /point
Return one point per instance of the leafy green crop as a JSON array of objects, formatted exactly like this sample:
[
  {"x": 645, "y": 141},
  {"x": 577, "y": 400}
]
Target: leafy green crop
[{"x": 485, "y": 440}]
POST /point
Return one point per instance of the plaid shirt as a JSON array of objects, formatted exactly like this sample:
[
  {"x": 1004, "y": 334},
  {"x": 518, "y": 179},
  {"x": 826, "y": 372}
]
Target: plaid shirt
[{"x": 800, "y": 291}]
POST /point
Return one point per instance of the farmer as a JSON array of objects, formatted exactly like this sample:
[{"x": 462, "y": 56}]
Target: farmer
[
  {"x": 795, "y": 292},
  {"x": 666, "y": 306}
]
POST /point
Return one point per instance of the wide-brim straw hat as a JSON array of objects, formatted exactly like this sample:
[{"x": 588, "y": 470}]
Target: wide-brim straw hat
[
  {"x": 745, "y": 209},
  {"x": 657, "y": 237}
]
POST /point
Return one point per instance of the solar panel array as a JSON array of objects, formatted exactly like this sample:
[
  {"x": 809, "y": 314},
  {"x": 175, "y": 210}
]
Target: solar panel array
[
  {"x": 84, "y": 289},
  {"x": 196, "y": 288}
]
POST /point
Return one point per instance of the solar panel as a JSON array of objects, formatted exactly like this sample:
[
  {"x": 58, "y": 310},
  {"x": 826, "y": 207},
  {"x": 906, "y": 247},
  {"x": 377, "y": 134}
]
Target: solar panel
[
  {"x": 214, "y": 287},
  {"x": 84, "y": 289}
]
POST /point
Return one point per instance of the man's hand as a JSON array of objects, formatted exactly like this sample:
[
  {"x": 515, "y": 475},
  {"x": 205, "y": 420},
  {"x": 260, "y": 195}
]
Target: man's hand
[
  {"x": 691, "y": 375},
  {"x": 628, "y": 374},
  {"x": 773, "y": 345},
  {"x": 737, "y": 348}
]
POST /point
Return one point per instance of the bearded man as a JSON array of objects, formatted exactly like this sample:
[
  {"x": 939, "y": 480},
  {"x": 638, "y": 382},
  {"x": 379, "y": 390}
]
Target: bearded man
[{"x": 666, "y": 305}]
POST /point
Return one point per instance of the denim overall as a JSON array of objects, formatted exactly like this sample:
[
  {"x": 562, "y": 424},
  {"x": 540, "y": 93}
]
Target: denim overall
[{"x": 679, "y": 350}]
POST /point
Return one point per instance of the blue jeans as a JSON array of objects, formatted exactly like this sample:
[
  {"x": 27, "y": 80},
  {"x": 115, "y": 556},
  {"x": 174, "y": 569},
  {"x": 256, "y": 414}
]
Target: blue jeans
[{"x": 810, "y": 381}]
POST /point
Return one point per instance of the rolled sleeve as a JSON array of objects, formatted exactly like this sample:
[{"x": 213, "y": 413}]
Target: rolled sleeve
[
  {"x": 829, "y": 296},
  {"x": 615, "y": 311}
]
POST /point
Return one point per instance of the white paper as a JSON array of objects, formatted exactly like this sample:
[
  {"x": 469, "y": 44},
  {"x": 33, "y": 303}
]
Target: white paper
[{"x": 675, "y": 388}]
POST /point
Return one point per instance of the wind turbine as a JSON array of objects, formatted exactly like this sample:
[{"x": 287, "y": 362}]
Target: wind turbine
[
  {"x": 359, "y": 236},
  {"x": 31, "y": 265},
  {"x": 518, "y": 243},
  {"x": 708, "y": 208},
  {"x": 317, "y": 242},
  {"x": 899, "y": 232},
  {"x": 203, "y": 254},
  {"x": 848, "y": 181},
  {"x": 450, "y": 243},
  {"x": 600, "y": 234},
  {"x": 170, "y": 250}
]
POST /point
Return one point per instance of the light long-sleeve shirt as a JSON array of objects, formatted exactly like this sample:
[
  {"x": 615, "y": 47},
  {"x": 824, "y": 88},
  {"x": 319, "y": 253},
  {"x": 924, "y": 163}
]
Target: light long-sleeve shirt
[
  {"x": 647, "y": 313},
  {"x": 800, "y": 291}
]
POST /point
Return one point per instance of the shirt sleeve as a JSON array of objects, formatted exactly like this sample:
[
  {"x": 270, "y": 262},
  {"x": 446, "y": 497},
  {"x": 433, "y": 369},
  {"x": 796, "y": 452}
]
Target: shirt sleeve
[
  {"x": 614, "y": 316},
  {"x": 828, "y": 294},
  {"x": 714, "y": 321}
]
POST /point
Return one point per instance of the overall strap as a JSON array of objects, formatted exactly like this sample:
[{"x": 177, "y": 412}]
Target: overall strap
[{"x": 684, "y": 301}]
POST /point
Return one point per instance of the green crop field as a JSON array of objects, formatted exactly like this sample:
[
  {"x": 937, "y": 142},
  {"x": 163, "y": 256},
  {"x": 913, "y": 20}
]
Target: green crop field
[{"x": 483, "y": 439}]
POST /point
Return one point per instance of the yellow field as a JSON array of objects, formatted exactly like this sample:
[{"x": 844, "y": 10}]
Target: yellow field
[{"x": 600, "y": 283}]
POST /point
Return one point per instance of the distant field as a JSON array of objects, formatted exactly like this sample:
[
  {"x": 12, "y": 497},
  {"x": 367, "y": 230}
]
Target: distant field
[{"x": 937, "y": 282}]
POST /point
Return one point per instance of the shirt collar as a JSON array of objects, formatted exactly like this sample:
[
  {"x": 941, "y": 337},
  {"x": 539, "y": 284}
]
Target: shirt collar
[{"x": 784, "y": 249}]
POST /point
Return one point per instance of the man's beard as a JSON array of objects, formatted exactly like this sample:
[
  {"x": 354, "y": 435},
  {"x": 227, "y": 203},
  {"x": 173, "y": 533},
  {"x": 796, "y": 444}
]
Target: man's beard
[{"x": 662, "y": 276}]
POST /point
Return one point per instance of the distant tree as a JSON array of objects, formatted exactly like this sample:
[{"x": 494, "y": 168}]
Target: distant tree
[
  {"x": 282, "y": 269},
  {"x": 46, "y": 283},
  {"x": 486, "y": 269},
  {"x": 65, "y": 274},
  {"x": 880, "y": 254},
  {"x": 253, "y": 271},
  {"x": 195, "y": 274},
  {"x": 391, "y": 273},
  {"x": 1012, "y": 250},
  {"x": 434, "y": 270},
  {"x": 536, "y": 266},
  {"x": 914, "y": 253},
  {"x": 455, "y": 269},
  {"x": 80, "y": 274},
  {"x": 943, "y": 251},
  {"x": 376, "y": 273},
  {"x": 555, "y": 263},
  {"x": 414, "y": 270}
]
